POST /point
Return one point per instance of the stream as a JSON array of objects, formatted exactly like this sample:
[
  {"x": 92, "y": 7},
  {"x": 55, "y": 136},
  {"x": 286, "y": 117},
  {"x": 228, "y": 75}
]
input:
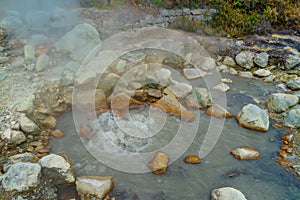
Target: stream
[{"x": 257, "y": 179}]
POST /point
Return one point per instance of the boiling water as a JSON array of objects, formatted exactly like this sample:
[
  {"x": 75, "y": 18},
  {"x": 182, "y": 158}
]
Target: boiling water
[{"x": 257, "y": 179}]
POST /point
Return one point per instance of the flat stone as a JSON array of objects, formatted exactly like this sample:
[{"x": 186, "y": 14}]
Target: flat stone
[
  {"x": 196, "y": 12},
  {"x": 286, "y": 77},
  {"x": 280, "y": 102},
  {"x": 97, "y": 186},
  {"x": 245, "y": 59},
  {"x": 218, "y": 111},
  {"x": 159, "y": 163},
  {"x": 262, "y": 72},
  {"x": 222, "y": 87},
  {"x": 226, "y": 80},
  {"x": 192, "y": 73},
  {"x": 229, "y": 61},
  {"x": 294, "y": 83},
  {"x": 227, "y": 193},
  {"x": 42, "y": 62},
  {"x": 253, "y": 117},
  {"x": 56, "y": 164},
  {"x": 245, "y": 153},
  {"x": 261, "y": 59},
  {"x": 27, "y": 126},
  {"x": 270, "y": 79},
  {"x": 21, "y": 177},
  {"x": 154, "y": 93},
  {"x": 16, "y": 137},
  {"x": 24, "y": 157},
  {"x": 246, "y": 75},
  {"x": 293, "y": 118},
  {"x": 180, "y": 89},
  {"x": 100, "y": 102}
]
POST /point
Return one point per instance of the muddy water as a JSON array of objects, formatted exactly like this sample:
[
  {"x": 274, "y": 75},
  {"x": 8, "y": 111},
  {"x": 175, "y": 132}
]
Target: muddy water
[{"x": 257, "y": 179}]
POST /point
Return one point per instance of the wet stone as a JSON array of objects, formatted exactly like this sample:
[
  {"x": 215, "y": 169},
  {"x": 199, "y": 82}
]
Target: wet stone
[
  {"x": 227, "y": 193},
  {"x": 192, "y": 159},
  {"x": 245, "y": 153},
  {"x": 159, "y": 163}
]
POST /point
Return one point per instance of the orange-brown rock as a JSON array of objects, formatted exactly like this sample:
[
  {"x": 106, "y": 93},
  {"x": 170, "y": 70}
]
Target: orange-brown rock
[
  {"x": 84, "y": 133},
  {"x": 49, "y": 122},
  {"x": 192, "y": 159},
  {"x": 100, "y": 102},
  {"x": 245, "y": 153},
  {"x": 123, "y": 101},
  {"x": 57, "y": 133},
  {"x": 170, "y": 104},
  {"x": 218, "y": 111},
  {"x": 159, "y": 163}
]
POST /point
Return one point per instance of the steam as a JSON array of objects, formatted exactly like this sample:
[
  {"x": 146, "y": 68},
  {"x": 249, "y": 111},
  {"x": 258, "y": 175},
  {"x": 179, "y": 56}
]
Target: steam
[{"x": 27, "y": 18}]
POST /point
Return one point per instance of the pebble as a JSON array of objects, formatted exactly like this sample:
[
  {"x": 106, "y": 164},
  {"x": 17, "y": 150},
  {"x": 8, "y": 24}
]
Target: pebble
[{"x": 192, "y": 159}]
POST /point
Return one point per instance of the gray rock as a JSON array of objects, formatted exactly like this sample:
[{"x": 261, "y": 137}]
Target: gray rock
[
  {"x": 270, "y": 79},
  {"x": 262, "y": 72},
  {"x": 27, "y": 126},
  {"x": 280, "y": 102},
  {"x": 96, "y": 186},
  {"x": 24, "y": 157},
  {"x": 294, "y": 83},
  {"x": 205, "y": 63},
  {"x": 253, "y": 117},
  {"x": 196, "y": 12},
  {"x": 186, "y": 11},
  {"x": 180, "y": 89},
  {"x": 164, "y": 13},
  {"x": 150, "y": 19},
  {"x": 292, "y": 61},
  {"x": 297, "y": 94},
  {"x": 3, "y": 59},
  {"x": 3, "y": 75},
  {"x": 232, "y": 71},
  {"x": 11, "y": 23},
  {"x": 164, "y": 76},
  {"x": 200, "y": 98},
  {"x": 79, "y": 41},
  {"x": 18, "y": 62},
  {"x": 72, "y": 66},
  {"x": 21, "y": 177},
  {"x": 159, "y": 20},
  {"x": 16, "y": 137},
  {"x": 108, "y": 83},
  {"x": 261, "y": 59},
  {"x": 222, "y": 87},
  {"x": 56, "y": 164},
  {"x": 42, "y": 62},
  {"x": 245, "y": 59},
  {"x": 227, "y": 193},
  {"x": 29, "y": 52},
  {"x": 229, "y": 61},
  {"x": 212, "y": 12},
  {"x": 293, "y": 118},
  {"x": 223, "y": 69},
  {"x": 172, "y": 13},
  {"x": 245, "y": 74},
  {"x": 199, "y": 17},
  {"x": 178, "y": 12},
  {"x": 192, "y": 73}
]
